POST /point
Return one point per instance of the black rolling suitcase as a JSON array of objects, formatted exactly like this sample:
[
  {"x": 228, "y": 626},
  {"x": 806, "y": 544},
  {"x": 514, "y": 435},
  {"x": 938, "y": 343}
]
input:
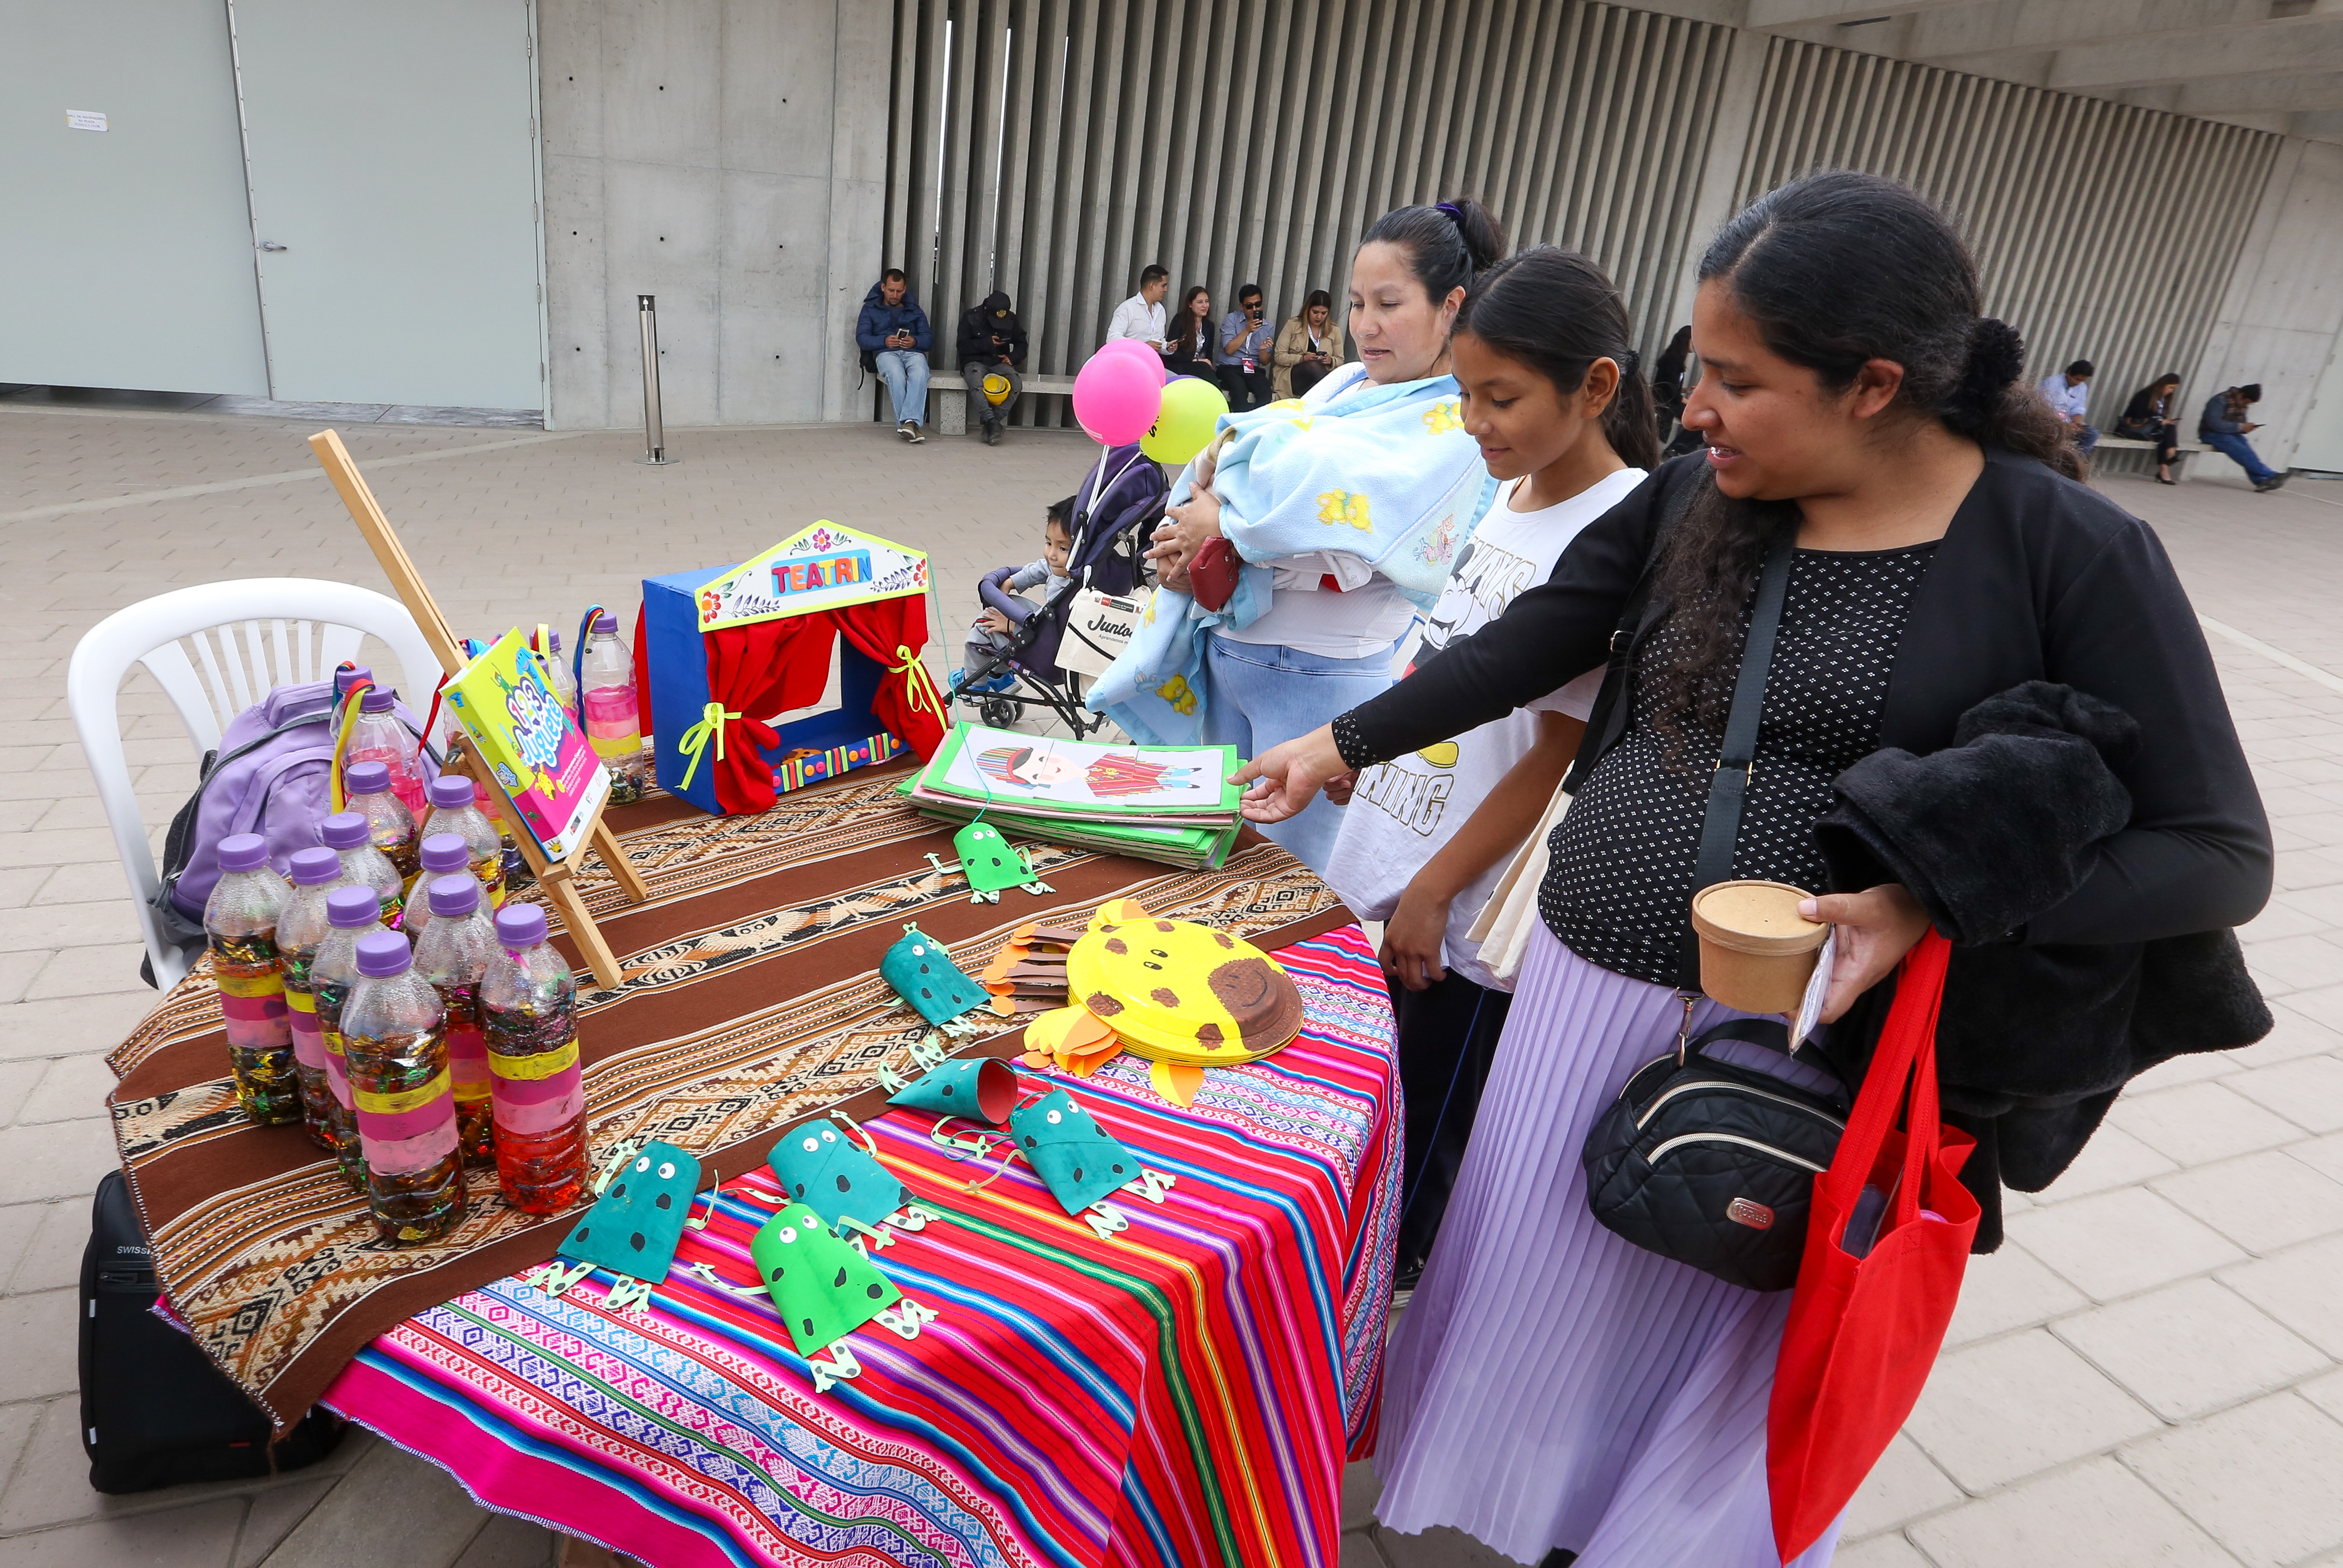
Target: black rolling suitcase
[{"x": 155, "y": 1411}]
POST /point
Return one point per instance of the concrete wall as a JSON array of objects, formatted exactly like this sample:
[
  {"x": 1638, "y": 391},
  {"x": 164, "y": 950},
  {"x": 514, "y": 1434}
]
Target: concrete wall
[
  {"x": 728, "y": 157},
  {"x": 2279, "y": 322}
]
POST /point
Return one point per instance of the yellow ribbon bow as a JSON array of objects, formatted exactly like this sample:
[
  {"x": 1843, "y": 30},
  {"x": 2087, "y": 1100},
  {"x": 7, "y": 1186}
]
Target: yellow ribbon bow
[
  {"x": 921, "y": 685},
  {"x": 695, "y": 739}
]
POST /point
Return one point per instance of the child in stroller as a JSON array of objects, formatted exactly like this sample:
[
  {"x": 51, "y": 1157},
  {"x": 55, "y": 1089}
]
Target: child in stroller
[{"x": 1012, "y": 650}]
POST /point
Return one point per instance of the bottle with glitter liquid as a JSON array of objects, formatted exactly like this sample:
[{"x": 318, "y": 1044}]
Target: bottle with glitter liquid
[
  {"x": 613, "y": 724},
  {"x": 455, "y": 809},
  {"x": 379, "y": 736},
  {"x": 240, "y": 927},
  {"x": 349, "y": 834},
  {"x": 393, "y": 1040},
  {"x": 390, "y": 826},
  {"x": 529, "y": 1013},
  {"x": 452, "y": 954},
  {"x": 350, "y": 913},
  {"x": 442, "y": 854},
  {"x": 301, "y": 930}
]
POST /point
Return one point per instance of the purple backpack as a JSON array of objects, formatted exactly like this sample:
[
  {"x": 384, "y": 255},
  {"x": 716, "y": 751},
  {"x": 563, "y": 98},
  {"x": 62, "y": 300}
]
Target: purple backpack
[{"x": 271, "y": 776}]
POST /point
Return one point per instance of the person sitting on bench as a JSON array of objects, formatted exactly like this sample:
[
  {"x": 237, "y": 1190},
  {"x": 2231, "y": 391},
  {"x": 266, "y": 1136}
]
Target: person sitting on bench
[
  {"x": 2148, "y": 417},
  {"x": 2223, "y": 426}
]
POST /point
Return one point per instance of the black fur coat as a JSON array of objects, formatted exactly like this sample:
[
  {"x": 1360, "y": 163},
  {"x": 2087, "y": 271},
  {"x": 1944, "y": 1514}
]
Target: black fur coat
[{"x": 2034, "y": 1041}]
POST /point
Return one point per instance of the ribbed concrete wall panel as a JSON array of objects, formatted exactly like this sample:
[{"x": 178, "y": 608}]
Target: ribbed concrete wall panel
[
  {"x": 1053, "y": 147},
  {"x": 2101, "y": 231}
]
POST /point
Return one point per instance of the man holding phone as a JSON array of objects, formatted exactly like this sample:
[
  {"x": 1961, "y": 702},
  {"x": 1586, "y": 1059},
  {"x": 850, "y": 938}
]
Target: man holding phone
[
  {"x": 892, "y": 333},
  {"x": 1142, "y": 316},
  {"x": 1241, "y": 359}
]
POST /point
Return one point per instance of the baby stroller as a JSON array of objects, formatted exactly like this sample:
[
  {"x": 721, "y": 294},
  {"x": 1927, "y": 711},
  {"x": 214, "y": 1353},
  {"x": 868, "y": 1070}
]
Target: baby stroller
[{"x": 1118, "y": 505}]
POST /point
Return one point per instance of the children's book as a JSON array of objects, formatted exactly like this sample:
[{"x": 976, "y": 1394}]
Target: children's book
[
  {"x": 504, "y": 701},
  {"x": 1045, "y": 776},
  {"x": 1189, "y": 847}
]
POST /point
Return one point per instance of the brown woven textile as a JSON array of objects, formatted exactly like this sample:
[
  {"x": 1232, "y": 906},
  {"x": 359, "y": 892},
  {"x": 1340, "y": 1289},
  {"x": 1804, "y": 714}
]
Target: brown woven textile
[{"x": 751, "y": 999}]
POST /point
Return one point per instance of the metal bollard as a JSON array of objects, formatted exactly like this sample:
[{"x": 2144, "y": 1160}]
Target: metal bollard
[{"x": 654, "y": 428}]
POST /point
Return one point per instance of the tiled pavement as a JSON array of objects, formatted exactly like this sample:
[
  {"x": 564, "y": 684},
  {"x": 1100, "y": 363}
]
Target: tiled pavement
[{"x": 2146, "y": 1373}]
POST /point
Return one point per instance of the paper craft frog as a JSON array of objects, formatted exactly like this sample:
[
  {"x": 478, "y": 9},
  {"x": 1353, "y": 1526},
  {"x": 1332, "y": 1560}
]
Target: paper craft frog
[
  {"x": 991, "y": 863},
  {"x": 816, "y": 1165},
  {"x": 823, "y": 1289},
  {"x": 634, "y": 1227},
  {"x": 923, "y": 974}
]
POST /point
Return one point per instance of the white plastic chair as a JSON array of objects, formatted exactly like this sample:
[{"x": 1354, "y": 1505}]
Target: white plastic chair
[{"x": 247, "y": 637}]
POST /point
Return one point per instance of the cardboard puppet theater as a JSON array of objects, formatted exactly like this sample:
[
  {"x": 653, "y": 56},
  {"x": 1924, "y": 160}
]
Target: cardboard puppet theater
[{"x": 724, "y": 651}]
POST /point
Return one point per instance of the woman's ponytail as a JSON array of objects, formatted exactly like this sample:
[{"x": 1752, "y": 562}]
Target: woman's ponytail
[
  {"x": 1554, "y": 311},
  {"x": 1448, "y": 245},
  {"x": 1991, "y": 406}
]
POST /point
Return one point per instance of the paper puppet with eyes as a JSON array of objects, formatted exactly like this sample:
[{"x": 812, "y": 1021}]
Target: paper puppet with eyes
[
  {"x": 1184, "y": 996},
  {"x": 824, "y": 1288},
  {"x": 818, "y": 1164},
  {"x": 634, "y": 1227},
  {"x": 990, "y": 863},
  {"x": 923, "y": 974},
  {"x": 1079, "y": 1160}
]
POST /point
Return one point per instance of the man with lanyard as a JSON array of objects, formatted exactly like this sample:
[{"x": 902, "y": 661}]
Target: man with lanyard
[{"x": 1243, "y": 350}]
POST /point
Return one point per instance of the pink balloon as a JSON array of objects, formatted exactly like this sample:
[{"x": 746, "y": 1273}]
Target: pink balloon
[
  {"x": 1138, "y": 353},
  {"x": 1117, "y": 398}
]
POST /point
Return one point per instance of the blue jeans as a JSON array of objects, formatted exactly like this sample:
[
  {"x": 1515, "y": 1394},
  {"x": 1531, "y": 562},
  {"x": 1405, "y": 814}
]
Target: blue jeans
[
  {"x": 2086, "y": 439},
  {"x": 1260, "y": 695},
  {"x": 2235, "y": 447},
  {"x": 905, "y": 371}
]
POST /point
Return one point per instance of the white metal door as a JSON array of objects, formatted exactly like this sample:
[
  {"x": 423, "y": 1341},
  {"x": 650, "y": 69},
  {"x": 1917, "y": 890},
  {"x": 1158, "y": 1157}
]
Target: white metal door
[
  {"x": 126, "y": 253},
  {"x": 2320, "y": 445},
  {"x": 392, "y": 156}
]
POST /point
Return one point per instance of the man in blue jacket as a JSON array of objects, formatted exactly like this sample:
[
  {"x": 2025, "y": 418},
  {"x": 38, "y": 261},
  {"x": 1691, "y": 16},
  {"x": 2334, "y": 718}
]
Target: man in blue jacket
[
  {"x": 893, "y": 334},
  {"x": 2223, "y": 426}
]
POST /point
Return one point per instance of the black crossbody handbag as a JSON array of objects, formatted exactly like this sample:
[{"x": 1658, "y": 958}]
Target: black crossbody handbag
[{"x": 1708, "y": 1161}]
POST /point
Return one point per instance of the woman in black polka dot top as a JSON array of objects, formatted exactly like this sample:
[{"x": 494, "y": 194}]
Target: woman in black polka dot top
[{"x": 1854, "y": 403}]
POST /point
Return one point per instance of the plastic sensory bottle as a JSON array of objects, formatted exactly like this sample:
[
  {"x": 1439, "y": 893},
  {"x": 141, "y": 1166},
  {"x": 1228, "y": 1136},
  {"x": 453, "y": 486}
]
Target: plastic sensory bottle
[
  {"x": 455, "y": 809},
  {"x": 300, "y": 931},
  {"x": 565, "y": 684},
  {"x": 613, "y": 721},
  {"x": 240, "y": 928},
  {"x": 441, "y": 854},
  {"x": 379, "y": 736},
  {"x": 349, "y": 834},
  {"x": 528, "y": 1014},
  {"x": 346, "y": 678},
  {"x": 390, "y": 826},
  {"x": 350, "y": 913},
  {"x": 452, "y": 954},
  {"x": 393, "y": 1041}
]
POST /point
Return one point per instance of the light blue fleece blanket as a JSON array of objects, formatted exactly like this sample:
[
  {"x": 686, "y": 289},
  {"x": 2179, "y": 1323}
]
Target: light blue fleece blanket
[{"x": 1385, "y": 473}]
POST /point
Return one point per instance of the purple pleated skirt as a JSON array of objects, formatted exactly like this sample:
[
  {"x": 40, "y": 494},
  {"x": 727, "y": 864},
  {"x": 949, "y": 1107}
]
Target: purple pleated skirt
[{"x": 1551, "y": 1385}]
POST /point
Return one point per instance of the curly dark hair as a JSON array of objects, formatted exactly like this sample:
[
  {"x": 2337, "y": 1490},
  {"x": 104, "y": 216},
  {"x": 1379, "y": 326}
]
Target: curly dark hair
[{"x": 1835, "y": 270}]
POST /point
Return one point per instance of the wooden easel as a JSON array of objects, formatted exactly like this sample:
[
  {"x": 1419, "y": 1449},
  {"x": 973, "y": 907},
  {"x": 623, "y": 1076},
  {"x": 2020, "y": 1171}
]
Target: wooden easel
[{"x": 558, "y": 878}]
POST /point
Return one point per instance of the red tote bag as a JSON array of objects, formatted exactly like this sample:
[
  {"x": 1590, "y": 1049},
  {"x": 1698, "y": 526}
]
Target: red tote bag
[{"x": 1863, "y": 1332}]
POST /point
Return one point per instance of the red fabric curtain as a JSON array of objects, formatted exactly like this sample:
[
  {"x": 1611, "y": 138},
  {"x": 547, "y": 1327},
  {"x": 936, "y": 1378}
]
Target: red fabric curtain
[
  {"x": 773, "y": 666},
  {"x": 894, "y": 631}
]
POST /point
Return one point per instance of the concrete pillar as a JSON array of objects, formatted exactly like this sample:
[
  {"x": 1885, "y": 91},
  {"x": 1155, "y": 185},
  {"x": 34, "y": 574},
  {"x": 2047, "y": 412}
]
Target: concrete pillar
[{"x": 1720, "y": 175}]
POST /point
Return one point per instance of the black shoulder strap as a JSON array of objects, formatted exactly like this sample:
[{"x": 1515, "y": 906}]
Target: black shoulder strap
[{"x": 1728, "y": 786}]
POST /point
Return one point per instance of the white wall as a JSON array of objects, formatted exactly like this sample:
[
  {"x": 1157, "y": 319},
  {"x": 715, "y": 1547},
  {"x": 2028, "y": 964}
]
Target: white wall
[
  {"x": 728, "y": 157},
  {"x": 2279, "y": 322}
]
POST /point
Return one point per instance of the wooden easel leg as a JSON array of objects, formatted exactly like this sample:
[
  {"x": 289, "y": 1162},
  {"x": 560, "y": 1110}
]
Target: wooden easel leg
[
  {"x": 606, "y": 844},
  {"x": 558, "y": 887}
]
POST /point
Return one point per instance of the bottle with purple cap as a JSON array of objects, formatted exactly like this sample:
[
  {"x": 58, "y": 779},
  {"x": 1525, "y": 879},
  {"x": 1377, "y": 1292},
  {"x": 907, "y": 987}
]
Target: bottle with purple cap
[
  {"x": 394, "y": 1042},
  {"x": 606, "y": 679},
  {"x": 241, "y": 921},
  {"x": 350, "y": 913},
  {"x": 390, "y": 826},
  {"x": 349, "y": 835},
  {"x": 379, "y": 736},
  {"x": 528, "y": 1017},
  {"x": 442, "y": 854},
  {"x": 453, "y": 952},
  {"x": 301, "y": 930},
  {"x": 456, "y": 808}
]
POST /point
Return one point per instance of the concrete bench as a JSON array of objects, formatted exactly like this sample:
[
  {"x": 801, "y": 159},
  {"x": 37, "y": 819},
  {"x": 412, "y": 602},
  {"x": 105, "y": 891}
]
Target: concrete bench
[
  {"x": 2180, "y": 456},
  {"x": 948, "y": 397}
]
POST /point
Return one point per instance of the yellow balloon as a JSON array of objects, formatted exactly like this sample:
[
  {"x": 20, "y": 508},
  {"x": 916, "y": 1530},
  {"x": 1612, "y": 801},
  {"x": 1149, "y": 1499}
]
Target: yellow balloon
[{"x": 1191, "y": 407}]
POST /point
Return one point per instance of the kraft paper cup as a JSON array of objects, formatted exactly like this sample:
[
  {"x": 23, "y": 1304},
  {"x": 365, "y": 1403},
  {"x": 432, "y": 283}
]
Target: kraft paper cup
[{"x": 1756, "y": 953}]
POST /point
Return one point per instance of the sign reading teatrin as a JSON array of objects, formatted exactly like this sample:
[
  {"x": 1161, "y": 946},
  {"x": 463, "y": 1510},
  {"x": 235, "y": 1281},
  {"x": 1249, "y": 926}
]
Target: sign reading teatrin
[{"x": 821, "y": 567}]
